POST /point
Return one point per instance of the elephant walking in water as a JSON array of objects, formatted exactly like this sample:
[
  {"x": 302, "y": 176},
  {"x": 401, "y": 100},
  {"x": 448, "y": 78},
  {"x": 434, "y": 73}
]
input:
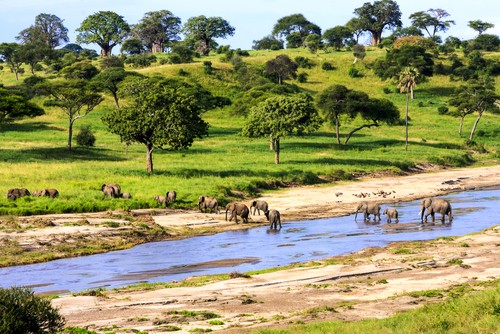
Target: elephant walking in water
[
  {"x": 433, "y": 205},
  {"x": 237, "y": 209},
  {"x": 367, "y": 209},
  {"x": 391, "y": 214},
  {"x": 274, "y": 218}
]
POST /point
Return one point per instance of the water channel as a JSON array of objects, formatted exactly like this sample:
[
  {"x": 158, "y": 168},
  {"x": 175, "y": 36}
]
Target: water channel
[{"x": 256, "y": 248}]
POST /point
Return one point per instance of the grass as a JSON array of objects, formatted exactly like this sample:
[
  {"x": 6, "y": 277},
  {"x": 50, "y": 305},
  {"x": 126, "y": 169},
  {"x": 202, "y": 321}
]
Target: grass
[
  {"x": 225, "y": 165},
  {"x": 483, "y": 310}
]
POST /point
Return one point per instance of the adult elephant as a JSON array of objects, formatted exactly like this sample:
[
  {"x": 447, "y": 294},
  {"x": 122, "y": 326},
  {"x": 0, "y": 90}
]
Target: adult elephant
[
  {"x": 238, "y": 209},
  {"x": 259, "y": 205},
  {"x": 206, "y": 202},
  {"x": 16, "y": 193},
  {"x": 433, "y": 205},
  {"x": 368, "y": 208},
  {"x": 274, "y": 218},
  {"x": 111, "y": 190},
  {"x": 171, "y": 196}
]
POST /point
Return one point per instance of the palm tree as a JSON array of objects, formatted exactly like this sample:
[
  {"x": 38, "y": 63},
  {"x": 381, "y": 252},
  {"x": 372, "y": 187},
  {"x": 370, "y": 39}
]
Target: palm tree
[{"x": 407, "y": 82}]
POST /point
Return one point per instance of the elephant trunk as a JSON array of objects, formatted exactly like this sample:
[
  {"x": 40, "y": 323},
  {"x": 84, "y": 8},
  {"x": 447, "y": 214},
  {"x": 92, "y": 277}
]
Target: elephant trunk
[
  {"x": 356, "y": 215},
  {"x": 422, "y": 210}
]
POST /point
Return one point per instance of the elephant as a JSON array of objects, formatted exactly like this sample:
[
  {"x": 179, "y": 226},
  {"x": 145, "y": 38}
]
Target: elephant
[
  {"x": 434, "y": 205},
  {"x": 238, "y": 209},
  {"x": 391, "y": 213},
  {"x": 16, "y": 193},
  {"x": 37, "y": 193},
  {"x": 368, "y": 208},
  {"x": 160, "y": 199},
  {"x": 111, "y": 190},
  {"x": 126, "y": 195},
  {"x": 206, "y": 202},
  {"x": 171, "y": 196},
  {"x": 274, "y": 218},
  {"x": 52, "y": 193},
  {"x": 258, "y": 205}
]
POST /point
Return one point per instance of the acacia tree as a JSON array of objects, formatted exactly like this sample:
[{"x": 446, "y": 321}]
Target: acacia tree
[
  {"x": 75, "y": 97},
  {"x": 202, "y": 31},
  {"x": 108, "y": 80},
  {"x": 105, "y": 28},
  {"x": 281, "y": 67},
  {"x": 282, "y": 116},
  {"x": 334, "y": 102},
  {"x": 338, "y": 37},
  {"x": 378, "y": 16},
  {"x": 477, "y": 95},
  {"x": 157, "y": 30},
  {"x": 11, "y": 54},
  {"x": 48, "y": 29},
  {"x": 295, "y": 28},
  {"x": 407, "y": 83},
  {"x": 480, "y": 26},
  {"x": 13, "y": 105},
  {"x": 162, "y": 115},
  {"x": 432, "y": 21}
]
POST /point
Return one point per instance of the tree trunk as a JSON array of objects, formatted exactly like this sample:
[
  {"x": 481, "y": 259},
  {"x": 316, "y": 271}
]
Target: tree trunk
[
  {"x": 70, "y": 133},
  {"x": 277, "y": 151},
  {"x": 406, "y": 121},
  {"x": 149, "y": 158},
  {"x": 157, "y": 47},
  {"x": 115, "y": 96},
  {"x": 461, "y": 126},
  {"x": 357, "y": 129},
  {"x": 337, "y": 129},
  {"x": 376, "y": 37},
  {"x": 471, "y": 137},
  {"x": 271, "y": 143}
]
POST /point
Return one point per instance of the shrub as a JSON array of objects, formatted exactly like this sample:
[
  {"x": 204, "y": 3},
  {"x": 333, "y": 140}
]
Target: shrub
[
  {"x": 23, "y": 312},
  {"x": 353, "y": 72},
  {"x": 304, "y": 62},
  {"x": 327, "y": 66},
  {"x": 387, "y": 90},
  {"x": 85, "y": 137},
  {"x": 207, "y": 67},
  {"x": 442, "y": 110},
  {"x": 302, "y": 77},
  {"x": 109, "y": 62}
]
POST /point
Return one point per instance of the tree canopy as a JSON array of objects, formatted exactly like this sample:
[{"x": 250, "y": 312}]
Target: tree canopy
[
  {"x": 383, "y": 14},
  {"x": 282, "y": 116},
  {"x": 295, "y": 28},
  {"x": 163, "y": 114},
  {"x": 158, "y": 30},
  {"x": 11, "y": 54},
  {"x": 105, "y": 28},
  {"x": 339, "y": 37},
  {"x": 48, "y": 29},
  {"x": 202, "y": 31},
  {"x": 480, "y": 26},
  {"x": 432, "y": 21},
  {"x": 268, "y": 43},
  {"x": 14, "y": 105},
  {"x": 281, "y": 68}
]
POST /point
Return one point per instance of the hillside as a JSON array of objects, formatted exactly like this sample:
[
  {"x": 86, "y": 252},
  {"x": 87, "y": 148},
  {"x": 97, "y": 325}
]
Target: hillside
[{"x": 224, "y": 164}]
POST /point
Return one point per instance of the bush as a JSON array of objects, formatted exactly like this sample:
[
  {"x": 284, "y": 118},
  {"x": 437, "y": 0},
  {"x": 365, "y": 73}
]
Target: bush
[
  {"x": 23, "y": 312},
  {"x": 302, "y": 77},
  {"x": 207, "y": 67},
  {"x": 85, "y": 137},
  {"x": 354, "y": 72},
  {"x": 387, "y": 90},
  {"x": 304, "y": 62},
  {"x": 327, "y": 66},
  {"x": 442, "y": 110}
]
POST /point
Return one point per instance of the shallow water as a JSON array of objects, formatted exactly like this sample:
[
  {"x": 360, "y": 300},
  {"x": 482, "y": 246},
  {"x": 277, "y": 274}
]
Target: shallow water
[{"x": 257, "y": 248}]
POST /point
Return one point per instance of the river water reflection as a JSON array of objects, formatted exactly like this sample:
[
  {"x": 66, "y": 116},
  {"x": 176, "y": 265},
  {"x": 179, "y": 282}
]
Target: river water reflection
[{"x": 252, "y": 249}]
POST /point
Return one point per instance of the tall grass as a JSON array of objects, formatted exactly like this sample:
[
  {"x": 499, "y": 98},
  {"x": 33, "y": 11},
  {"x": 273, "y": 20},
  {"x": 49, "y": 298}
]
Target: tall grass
[{"x": 224, "y": 164}]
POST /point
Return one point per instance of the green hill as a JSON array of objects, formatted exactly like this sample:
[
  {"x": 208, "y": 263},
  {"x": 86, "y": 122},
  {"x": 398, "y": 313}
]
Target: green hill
[{"x": 33, "y": 152}]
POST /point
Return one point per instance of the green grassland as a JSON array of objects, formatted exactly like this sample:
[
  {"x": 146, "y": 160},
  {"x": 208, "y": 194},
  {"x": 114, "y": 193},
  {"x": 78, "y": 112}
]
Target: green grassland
[{"x": 33, "y": 152}]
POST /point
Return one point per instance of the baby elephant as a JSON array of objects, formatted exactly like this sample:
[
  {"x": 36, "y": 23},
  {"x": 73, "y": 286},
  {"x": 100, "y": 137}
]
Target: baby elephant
[
  {"x": 391, "y": 213},
  {"x": 160, "y": 200},
  {"x": 171, "y": 196},
  {"x": 274, "y": 218},
  {"x": 258, "y": 205}
]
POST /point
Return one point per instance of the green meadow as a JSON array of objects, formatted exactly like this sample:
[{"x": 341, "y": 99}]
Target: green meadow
[{"x": 33, "y": 151}]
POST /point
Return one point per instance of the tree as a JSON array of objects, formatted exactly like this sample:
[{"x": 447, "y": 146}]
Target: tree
[
  {"x": 268, "y": 43},
  {"x": 162, "y": 115},
  {"x": 282, "y": 116},
  {"x": 356, "y": 27},
  {"x": 14, "y": 105},
  {"x": 281, "y": 68},
  {"x": 133, "y": 46},
  {"x": 109, "y": 79},
  {"x": 313, "y": 42},
  {"x": 432, "y": 21},
  {"x": 295, "y": 28},
  {"x": 338, "y": 37},
  {"x": 48, "y": 29},
  {"x": 105, "y": 28},
  {"x": 11, "y": 54},
  {"x": 202, "y": 31},
  {"x": 359, "y": 52},
  {"x": 397, "y": 59},
  {"x": 24, "y": 313},
  {"x": 334, "y": 102},
  {"x": 407, "y": 83},
  {"x": 33, "y": 53},
  {"x": 480, "y": 26},
  {"x": 158, "y": 30},
  {"x": 378, "y": 16},
  {"x": 476, "y": 95},
  {"x": 75, "y": 97}
]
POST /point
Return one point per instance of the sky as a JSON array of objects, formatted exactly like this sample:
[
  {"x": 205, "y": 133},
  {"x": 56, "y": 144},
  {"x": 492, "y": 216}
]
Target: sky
[{"x": 252, "y": 19}]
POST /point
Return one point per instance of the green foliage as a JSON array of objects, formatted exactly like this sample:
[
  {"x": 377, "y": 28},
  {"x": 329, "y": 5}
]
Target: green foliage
[
  {"x": 432, "y": 21},
  {"x": 304, "y": 62},
  {"x": 338, "y": 37},
  {"x": 180, "y": 54},
  {"x": 281, "y": 68},
  {"x": 207, "y": 67},
  {"x": 327, "y": 66},
  {"x": 85, "y": 137},
  {"x": 480, "y": 26},
  {"x": 141, "y": 61},
  {"x": 77, "y": 330},
  {"x": 158, "y": 30},
  {"x": 353, "y": 72},
  {"x": 295, "y": 28},
  {"x": 202, "y": 31},
  {"x": 268, "y": 43},
  {"x": 302, "y": 77},
  {"x": 406, "y": 56},
  {"x": 80, "y": 70},
  {"x": 132, "y": 46},
  {"x": 14, "y": 105},
  {"x": 377, "y": 16},
  {"x": 111, "y": 62},
  {"x": 23, "y": 312}
]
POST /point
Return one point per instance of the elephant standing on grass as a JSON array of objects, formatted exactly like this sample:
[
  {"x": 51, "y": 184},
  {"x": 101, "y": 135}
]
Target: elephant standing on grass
[
  {"x": 434, "y": 205},
  {"x": 259, "y": 205},
  {"x": 367, "y": 209},
  {"x": 205, "y": 202},
  {"x": 160, "y": 200},
  {"x": 171, "y": 196},
  {"x": 111, "y": 190},
  {"x": 238, "y": 209},
  {"x": 391, "y": 214},
  {"x": 16, "y": 193},
  {"x": 274, "y": 218}
]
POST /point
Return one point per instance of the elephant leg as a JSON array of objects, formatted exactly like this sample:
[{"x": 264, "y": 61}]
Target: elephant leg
[{"x": 433, "y": 215}]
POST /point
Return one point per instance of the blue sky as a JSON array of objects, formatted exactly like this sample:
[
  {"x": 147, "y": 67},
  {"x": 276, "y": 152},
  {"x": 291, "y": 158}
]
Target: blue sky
[{"x": 253, "y": 19}]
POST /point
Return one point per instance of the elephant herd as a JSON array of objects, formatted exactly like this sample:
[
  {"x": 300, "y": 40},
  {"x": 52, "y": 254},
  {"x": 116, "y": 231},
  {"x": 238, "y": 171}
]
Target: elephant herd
[
  {"x": 206, "y": 203},
  {"x": 428, "y": 207},
  {"x": 16, "y": 193}
]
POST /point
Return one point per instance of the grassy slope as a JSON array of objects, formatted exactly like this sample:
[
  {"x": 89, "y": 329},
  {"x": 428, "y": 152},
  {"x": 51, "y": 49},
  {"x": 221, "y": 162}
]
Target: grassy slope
[{"x": 33, "y": 153}]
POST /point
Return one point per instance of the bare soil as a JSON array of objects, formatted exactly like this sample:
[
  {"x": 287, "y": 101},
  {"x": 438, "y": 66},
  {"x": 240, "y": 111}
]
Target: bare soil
[{"x": 375, "y": 282}]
